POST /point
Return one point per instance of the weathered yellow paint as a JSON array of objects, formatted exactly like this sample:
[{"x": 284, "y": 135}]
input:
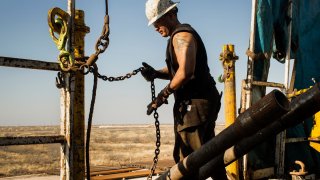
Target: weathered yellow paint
[
  {"x": 77, "y": 121},
  {"x": 297, "y": 93},
  {"x": 315, "y": 133},
  {"x": 58, "y": 23},
  {"x": 228, "y": 58}
]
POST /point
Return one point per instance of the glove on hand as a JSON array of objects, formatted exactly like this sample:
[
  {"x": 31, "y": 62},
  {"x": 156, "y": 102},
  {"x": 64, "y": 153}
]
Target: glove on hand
[
  {"x": 160, "y": 99},
  {"x": 148, "y": 72}
]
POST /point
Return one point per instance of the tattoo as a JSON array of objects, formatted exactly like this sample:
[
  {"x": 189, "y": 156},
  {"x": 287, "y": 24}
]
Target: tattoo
[{"x": 182, "y": 42}]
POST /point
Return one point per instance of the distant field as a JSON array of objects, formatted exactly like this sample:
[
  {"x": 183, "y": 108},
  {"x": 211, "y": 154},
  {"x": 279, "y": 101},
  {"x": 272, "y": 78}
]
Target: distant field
[{"x": 110, "y": 145}]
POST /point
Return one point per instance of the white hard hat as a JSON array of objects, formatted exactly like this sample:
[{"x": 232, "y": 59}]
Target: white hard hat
[{"x": 155, "y": 9}]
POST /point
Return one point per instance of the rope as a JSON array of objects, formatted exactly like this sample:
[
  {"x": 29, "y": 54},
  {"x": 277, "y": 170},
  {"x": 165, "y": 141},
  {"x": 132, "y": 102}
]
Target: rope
[
  {"x": 103, "y": 41},
  {"x": 94, "y": 91},
  {"x": 107, "y": 8}
]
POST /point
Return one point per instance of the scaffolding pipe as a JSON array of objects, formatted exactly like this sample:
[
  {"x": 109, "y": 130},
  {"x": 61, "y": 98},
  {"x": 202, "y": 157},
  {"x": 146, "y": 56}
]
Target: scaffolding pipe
[
  {"x": 251, "y": 48},
  {"x": 301, "y": 108},
  {"x": 250, "y": 65},
  {"x": 71, "y": 12},
  {"x": 288, "y": 53},
  {"x": 72, "y": 102},
  {"x": 280, "y": 140},
  {"x": 26, "y": 140},
  {"x": 228, "y": 59},
  {"x": 262, "y": 113},
  {"x": 28, "y": 64}
]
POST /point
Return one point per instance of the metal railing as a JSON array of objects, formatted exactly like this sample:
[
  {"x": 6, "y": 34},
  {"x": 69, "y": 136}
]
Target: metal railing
[{"x": 71, "y": 136}]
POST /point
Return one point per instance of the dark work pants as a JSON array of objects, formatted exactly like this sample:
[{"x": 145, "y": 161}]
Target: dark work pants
[{"x": 189, "y": 140}]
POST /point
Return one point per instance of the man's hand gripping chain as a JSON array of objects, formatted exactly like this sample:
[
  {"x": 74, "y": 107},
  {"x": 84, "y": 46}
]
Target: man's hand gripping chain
[
  {"x": 160, "y": 99},
  {"x": 148, "y": 72}
]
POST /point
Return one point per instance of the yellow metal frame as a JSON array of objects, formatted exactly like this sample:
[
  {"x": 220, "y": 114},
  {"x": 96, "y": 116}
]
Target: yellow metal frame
[{"x": 228, "y": 59}]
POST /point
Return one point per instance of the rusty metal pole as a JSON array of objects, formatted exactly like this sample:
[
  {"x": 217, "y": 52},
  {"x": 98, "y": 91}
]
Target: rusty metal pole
[
  {"x": 77, "y": 94},
  {"x": 72, "y": 109},
  {"x": 228, "y": 59},
  {"x": 250, "y": 64}
]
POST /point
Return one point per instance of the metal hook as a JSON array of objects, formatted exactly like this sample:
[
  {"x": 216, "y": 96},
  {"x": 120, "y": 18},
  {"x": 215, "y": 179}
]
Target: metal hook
[{"x": 60, "y": 83}]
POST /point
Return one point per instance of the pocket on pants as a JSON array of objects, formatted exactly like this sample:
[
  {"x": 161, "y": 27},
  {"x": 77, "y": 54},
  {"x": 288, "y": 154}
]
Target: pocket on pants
[{"x": 194, "y": 113}]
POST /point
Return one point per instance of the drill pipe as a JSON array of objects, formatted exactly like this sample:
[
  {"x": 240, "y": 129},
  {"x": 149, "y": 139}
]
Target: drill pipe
[
  {"x": 266, "y": 110},
  {"x": 301, "y": 108}
]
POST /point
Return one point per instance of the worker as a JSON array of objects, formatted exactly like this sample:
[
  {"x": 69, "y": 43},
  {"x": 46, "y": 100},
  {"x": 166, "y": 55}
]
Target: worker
[{"x": 197, "y": 100}]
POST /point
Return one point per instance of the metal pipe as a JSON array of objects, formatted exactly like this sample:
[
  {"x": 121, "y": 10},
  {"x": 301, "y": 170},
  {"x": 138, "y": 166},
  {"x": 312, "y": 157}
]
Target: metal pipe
[
  {"x": 243, "y": 96},
  {"x": 288, "y": 53},
  {"x": 301, "y": 108},
  {"x": 7, "y": 141},
  {"x": 250, "y": 65},
  {"x": 28, "y": 64},
  {"x": 77, "y": 120},
  {"x": 263, "y": 112},
  {"x": 228, "y": 59},
  {"x": 71, "y": 26},
  {"x": 268, "y": 84},
  {"x": 251, "y": 48}
]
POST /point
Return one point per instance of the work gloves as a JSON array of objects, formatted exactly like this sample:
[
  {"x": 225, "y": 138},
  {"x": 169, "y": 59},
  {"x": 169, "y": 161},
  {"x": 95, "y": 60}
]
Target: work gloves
[
  {"x": 148, "y": 72},
  {"x": 160, "y": 99}
]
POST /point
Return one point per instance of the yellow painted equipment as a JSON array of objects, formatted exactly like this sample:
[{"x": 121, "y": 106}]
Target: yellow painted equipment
[
  {"x": 80, "y": 30},
  {"x": 314, "y": 138},
  {"x": 228, "y": 59},
  {"x": 315, "y": 133}
]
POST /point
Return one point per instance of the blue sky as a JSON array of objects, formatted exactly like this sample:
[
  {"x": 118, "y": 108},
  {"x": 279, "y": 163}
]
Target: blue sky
[{"x": 29, "y": 97}]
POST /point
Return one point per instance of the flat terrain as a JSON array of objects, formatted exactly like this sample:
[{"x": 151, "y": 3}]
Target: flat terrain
[{"x": 110, "y": 145}]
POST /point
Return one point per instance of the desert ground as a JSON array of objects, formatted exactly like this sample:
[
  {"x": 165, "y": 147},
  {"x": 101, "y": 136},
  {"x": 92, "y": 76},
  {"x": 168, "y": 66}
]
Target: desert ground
[{"x": 110, "y": 146}]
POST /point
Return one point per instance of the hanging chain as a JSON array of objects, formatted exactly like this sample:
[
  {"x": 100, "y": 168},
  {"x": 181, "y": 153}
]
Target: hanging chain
[
  {"x": 155, "y": 114},
  {"x": 102, "y": 42},
  {"x": 157, "y": 125},
  {"x": 119, "y": 78},
  {"x": 67, "y": 63}
]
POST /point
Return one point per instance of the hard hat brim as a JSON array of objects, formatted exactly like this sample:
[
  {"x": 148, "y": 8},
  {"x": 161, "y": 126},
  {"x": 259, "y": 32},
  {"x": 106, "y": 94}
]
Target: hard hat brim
[{"x": 162, "y": 13}]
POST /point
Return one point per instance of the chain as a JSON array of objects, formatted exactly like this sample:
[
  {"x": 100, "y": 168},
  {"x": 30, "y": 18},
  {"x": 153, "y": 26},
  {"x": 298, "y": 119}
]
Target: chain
[
  {"x": 157, "y": 125},
  {"x": 102, "y": 42},
  {"x": 119, "y": 78},
  {"x": 155, "y": 114}
]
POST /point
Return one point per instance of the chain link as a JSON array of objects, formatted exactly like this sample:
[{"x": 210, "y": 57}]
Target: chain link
[
  {"x": 155, "y": 114},
  {"x": 119, "y": 78},
  {"x": 102, "y": 42},
  {"x": 157, "y": 125}
]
